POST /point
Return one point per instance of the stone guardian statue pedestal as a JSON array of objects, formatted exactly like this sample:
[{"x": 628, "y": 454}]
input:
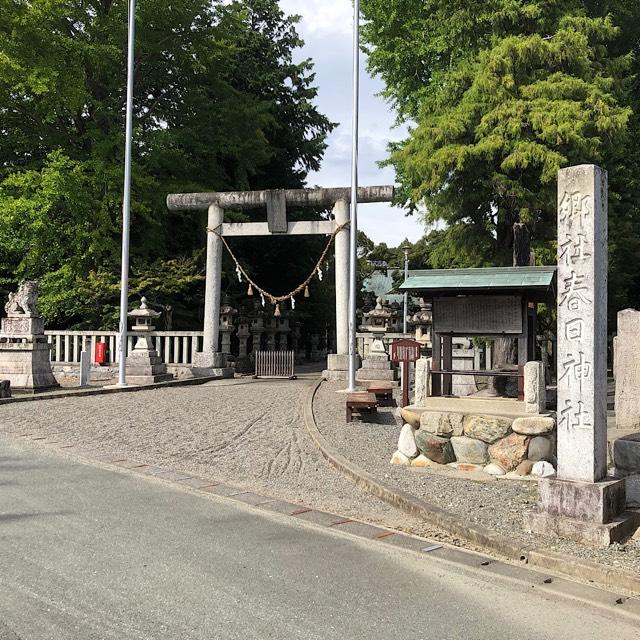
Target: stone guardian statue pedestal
[{"x": 24, "y": 350}]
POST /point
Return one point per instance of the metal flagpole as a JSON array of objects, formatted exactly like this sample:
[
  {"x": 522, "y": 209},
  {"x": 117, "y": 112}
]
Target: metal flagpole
[
  {"x": 406, "y": 295},
  {"x": 353, "y": 227},
  {"x": 126, "y": 204}
]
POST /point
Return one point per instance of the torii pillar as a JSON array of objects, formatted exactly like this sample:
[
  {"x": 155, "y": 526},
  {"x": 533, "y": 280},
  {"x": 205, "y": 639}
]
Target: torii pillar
[{"x": 210, "y": 361}]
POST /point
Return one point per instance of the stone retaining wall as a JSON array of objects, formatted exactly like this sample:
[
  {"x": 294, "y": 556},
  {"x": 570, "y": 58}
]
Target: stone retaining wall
[{"x": 494, "y": 444}]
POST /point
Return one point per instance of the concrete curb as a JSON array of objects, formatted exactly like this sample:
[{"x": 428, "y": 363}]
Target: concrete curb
[
  {"x": 100, "y": 391},
  {"x": 481, "y": 537}
]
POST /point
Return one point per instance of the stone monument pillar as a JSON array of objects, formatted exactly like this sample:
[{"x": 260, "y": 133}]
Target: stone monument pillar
[
  {"x": 626, "y": 450},
  {"x": 422, "y": 382},
  {"x": 627, "y": 371},
  {"x": 535, "y": 388},
  {"x": 24, "y": 350},
  {"x": 144, "y": 365},
  {"x": 582, "y": 503}
]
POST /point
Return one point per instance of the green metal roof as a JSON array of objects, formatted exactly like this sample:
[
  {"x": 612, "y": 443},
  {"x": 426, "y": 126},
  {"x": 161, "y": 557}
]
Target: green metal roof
[{"x": 478, "y": 280}]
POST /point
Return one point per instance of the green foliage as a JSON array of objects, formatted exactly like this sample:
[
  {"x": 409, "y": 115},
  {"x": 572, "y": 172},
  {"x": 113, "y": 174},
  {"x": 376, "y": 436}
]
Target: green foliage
[
  {"x": 219, "y": 105},
  {"x": 499, "y": 95}
]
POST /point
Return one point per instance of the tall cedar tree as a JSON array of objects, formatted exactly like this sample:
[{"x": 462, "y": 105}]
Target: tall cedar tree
[
  {"x": 498, "y": 95},
  {"x": 219, "y": 105}
]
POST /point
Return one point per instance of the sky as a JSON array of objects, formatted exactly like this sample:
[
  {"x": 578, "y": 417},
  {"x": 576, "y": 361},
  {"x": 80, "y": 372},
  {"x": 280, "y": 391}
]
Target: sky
[{"x": 326, "y": 27}]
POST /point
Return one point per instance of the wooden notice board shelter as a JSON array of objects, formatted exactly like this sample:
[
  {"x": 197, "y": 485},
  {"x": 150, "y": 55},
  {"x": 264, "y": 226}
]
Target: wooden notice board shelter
[{"x": 490, "y": 302}]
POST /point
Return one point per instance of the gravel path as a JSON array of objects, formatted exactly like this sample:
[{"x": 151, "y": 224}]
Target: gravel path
[
  {"x": 251, "y": 434},
  {"x": 248, "y": 433},
  {"x": 497, "y": 504}
]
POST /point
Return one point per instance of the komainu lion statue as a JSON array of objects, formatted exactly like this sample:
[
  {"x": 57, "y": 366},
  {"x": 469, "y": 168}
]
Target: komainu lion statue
[{"x": 25, "y": 300}]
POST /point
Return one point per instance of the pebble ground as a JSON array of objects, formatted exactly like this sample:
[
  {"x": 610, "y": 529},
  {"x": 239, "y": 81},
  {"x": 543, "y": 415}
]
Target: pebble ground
[
  {"x": 497, "y": 504},
  {"x": 251, "y": 434}
]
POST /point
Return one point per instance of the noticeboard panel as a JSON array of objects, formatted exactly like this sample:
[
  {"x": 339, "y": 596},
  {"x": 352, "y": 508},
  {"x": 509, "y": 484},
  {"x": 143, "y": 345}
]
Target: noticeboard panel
[{"x": 478, "y": 315}]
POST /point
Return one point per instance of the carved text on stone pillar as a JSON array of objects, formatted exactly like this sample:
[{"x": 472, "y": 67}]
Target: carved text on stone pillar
[{"x": 582, "y": 283}]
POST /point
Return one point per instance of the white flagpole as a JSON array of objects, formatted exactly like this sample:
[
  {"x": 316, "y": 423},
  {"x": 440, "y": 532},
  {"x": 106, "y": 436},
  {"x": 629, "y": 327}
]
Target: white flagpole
[
  {"x": 353, "y": 227},
  {"x": 126, "y": 204}
]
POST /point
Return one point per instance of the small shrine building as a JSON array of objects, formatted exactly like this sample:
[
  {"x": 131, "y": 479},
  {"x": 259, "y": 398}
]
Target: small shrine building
[{"x": 488, "y": 302}]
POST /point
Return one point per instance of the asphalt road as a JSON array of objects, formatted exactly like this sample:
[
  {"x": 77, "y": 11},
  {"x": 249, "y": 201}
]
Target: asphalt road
[{"x": 86, "y": 552}]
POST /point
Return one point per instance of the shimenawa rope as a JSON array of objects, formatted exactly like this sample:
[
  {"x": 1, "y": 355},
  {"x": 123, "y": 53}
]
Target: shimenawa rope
[{"x": 291, "y": 295}]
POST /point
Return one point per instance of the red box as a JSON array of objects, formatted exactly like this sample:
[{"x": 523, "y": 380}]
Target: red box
[{"x": 101, "y": 353}]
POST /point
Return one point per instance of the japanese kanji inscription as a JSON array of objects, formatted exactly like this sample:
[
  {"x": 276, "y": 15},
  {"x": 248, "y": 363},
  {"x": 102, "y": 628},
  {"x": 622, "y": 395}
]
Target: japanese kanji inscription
[{"x": 582, "y": 323}]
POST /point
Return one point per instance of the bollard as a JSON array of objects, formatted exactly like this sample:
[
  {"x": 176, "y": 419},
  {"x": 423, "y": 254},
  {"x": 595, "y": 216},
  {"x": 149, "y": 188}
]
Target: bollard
[{"x": 85, "y": 368}]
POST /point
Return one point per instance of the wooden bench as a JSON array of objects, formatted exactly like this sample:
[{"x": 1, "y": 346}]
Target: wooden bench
[
  {"x": 361, "y": 401},
  {"x": 382, "y": 389}
]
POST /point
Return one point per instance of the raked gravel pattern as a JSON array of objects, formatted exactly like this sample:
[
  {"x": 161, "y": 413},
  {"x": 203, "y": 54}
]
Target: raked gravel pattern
[
  {"x": 248, "y": 433},
  {"x": 251, "y": 434},
  {"x": 497, "y": 504}
]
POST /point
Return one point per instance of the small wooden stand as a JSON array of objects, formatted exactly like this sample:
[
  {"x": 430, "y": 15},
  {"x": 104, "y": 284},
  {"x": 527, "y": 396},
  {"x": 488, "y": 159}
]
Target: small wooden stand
[
  {"x": 382, "y": 389},
  {"x": 405, "y": 351},
  {"x": 361, "y": 401}
]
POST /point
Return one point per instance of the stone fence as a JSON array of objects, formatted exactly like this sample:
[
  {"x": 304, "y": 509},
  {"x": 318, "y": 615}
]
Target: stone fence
[{"x": 174, "y": 347}]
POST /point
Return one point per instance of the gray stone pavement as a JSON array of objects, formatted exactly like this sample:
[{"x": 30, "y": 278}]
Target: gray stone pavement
[
  {"x": 87, "y": 552},
  {"x": 247, "y": 432}
]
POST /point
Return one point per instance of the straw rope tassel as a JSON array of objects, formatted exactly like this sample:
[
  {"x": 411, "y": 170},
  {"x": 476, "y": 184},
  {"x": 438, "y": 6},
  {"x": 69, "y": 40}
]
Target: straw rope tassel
[{"x": 304, "y": 286}]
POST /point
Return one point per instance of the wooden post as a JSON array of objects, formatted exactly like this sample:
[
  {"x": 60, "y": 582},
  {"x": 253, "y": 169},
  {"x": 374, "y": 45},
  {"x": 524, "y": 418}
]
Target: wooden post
[
  {"x": 520, "y": 382},
  {"x": 533, "y": 330},
  {"x": 405, "y": 384},
  {"x": 447, "y": 364},
  {"x": 523, "y": 340},
  {"x": 436, "y": 383}
]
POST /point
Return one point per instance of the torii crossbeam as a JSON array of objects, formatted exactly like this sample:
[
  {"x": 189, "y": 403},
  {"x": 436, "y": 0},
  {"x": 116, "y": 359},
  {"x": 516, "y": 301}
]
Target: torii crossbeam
[{"x": 210, "y": 360}]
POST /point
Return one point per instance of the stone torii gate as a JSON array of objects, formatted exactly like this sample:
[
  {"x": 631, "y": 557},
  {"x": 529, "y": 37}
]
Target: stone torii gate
[{"x": 210, "y": 360}]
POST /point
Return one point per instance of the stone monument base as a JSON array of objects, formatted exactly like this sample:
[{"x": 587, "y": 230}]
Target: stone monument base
[
  {"x": 207, "y": 364},
  {"x": 25, "y": 362},
  {"x": 583, "y": 511},
  {"x": 338, "y": 367},
  {"x": 602, "y": 535},
  {"x": 376, "y": 368}
]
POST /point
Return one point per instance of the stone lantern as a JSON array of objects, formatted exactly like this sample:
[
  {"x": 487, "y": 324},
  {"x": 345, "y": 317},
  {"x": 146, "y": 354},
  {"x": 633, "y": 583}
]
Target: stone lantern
[
  {"x": 395, "y": 324},
  {"x": 243, "y": 335},
  {"x": 377, "y": 320},
  {"x": 271, "y": 328},
  {"x": 144, "y": 365},
  {"x": 283, "y": 331},
  {"x": 421, "y": 321},
  {"x": 227, "y": 314},
  {"x": 243, "y": 362},
  {"x": 256, "y": 327}
]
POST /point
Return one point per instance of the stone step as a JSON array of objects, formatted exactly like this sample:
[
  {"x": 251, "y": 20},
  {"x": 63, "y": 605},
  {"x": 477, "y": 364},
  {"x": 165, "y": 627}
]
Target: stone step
[
  {"x": 162, "y": 377},
  {"x": 375, "y": 374},
  {"x": 376, "y": 364},
  {"x": 153, "y": 370}
]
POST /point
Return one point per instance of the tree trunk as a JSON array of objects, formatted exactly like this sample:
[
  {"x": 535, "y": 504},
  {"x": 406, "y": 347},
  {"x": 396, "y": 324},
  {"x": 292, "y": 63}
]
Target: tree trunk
[
  {"x": 505, "y": 350},
  {"x": 521, "y": 245}
]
